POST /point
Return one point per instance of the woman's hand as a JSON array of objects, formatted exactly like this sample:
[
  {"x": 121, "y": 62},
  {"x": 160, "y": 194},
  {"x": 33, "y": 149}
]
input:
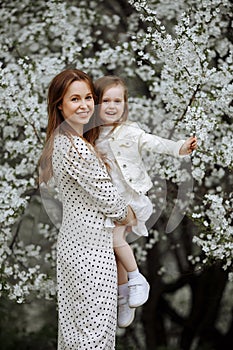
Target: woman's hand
[
  {"x": 130, "y": 219},
  {"x": 188, "y": 146}
]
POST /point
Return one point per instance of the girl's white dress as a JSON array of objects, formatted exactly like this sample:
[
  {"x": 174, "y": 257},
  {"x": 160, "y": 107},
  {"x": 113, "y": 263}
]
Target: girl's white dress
[
  {"x": 140, "y": 203},
  {"x": 86, "y": 269}
]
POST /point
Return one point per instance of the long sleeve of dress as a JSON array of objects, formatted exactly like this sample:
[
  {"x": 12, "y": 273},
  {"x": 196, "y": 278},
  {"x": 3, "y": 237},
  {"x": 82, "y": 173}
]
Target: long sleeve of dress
[{"x": 84, "y": 167}]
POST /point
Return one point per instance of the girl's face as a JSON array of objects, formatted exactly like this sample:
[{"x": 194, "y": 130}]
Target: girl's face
[
  {"x": 112, "y": 105},
  {"x": 77, "y": 105}
]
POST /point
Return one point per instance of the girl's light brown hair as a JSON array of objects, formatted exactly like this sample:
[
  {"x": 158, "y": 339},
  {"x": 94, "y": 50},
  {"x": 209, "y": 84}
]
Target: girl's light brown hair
[
  {"x": 101, "y": 85},
  {"x": 56, "y": 123}
]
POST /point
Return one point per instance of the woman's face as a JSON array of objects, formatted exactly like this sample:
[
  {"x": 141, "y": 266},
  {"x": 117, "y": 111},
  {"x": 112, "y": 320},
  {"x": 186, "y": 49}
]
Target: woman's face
[
  {"x": 77, "y": 105},
  {"x": 112, "y": 105}
]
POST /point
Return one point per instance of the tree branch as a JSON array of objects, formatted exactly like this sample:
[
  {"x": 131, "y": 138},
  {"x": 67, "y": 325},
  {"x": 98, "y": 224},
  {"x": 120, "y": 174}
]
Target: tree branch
[
  {"x": 32, "y": 125},
  {"x": 185, "y": 111}
]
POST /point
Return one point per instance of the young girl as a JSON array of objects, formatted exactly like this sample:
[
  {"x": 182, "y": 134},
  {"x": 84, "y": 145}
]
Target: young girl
[
  {"x": 86, "y": 267},
  {"x": 121, "y": 143}
]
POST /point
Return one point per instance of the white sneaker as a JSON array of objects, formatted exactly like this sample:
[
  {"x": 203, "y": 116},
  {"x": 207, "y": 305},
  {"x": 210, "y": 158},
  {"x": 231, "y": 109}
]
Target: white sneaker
[
  {"x": 125, "y": 314},
  {"x": 138, "y": 291}
]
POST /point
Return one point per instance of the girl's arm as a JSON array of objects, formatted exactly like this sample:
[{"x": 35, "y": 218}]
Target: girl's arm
[{"x": 156, "y": 144}]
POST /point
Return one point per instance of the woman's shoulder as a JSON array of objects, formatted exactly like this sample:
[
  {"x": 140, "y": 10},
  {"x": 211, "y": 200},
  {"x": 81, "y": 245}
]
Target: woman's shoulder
[
  {"x": 73, "y": 144},
  {"x": 61, "y": 142},
  {"x": 70, "y": 140},
  {"x": 80, "y": 143}
]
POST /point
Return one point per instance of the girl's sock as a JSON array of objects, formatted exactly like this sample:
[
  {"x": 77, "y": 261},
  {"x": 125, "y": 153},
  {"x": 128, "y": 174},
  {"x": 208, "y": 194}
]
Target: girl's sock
[
  {"x": 123, "y": 289},
  {"x": 133, "y": 274}
]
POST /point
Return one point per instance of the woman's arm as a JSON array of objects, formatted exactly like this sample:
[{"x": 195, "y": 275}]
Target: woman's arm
[
  {"x": 130, "y": 219},
  {"x": 86, "y": 170}
]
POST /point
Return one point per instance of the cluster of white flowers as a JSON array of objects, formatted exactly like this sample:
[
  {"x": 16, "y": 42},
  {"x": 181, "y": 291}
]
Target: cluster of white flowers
[
  {"x": 216, "y": 237},
  {"x": 180, "y": 82},
  {"x": 194, "y": 86}
]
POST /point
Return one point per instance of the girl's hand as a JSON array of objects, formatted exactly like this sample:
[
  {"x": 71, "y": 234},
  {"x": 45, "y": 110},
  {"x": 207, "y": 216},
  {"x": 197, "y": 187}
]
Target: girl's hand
[{"x": 189, "y": 145}]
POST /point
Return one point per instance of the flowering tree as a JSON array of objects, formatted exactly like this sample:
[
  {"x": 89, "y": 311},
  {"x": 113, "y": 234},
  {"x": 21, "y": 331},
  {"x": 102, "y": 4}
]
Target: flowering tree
[
  {"x": 195, "y": 88},
  {"x": 177, "y": 60}
]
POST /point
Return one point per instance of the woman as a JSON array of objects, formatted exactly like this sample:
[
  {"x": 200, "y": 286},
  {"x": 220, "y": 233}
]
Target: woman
[{"x": 86, "y": 270}]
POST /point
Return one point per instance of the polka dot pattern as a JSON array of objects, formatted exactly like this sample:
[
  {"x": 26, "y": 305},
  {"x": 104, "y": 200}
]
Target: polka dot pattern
[{"x": 86, "y": 269}]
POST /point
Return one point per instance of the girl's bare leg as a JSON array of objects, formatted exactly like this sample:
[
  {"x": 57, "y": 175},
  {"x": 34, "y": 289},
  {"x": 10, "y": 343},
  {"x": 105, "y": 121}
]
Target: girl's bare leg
[
  {"x": 122, "y": 250},
  {"x": 137, "y": 286},
  {"x": 125, "y": 315},
  {"x": 122, "y": 275},
  {"x": 126, "y": 257},
  {"x": 133, "y": 289}
]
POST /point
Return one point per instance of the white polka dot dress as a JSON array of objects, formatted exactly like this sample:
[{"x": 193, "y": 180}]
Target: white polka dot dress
[{"x": 86, "y": 269}]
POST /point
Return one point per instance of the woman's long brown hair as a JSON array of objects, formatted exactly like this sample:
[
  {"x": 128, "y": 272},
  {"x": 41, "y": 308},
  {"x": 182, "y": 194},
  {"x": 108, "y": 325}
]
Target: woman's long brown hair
[
  {"x": 100, "y": 85},
  {"x": 56, "y": 92}
]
